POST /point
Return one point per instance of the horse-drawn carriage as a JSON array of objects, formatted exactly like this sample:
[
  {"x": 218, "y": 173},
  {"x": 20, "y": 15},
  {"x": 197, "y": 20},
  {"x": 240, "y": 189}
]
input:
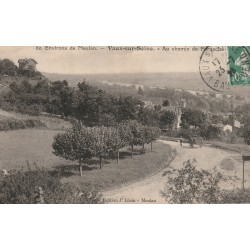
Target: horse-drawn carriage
[{"x": 193, "y": 140}]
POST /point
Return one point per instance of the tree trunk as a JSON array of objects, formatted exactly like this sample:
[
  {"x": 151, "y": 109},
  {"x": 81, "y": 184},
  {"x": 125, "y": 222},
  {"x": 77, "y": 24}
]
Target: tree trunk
[
  {"x": 118, "y": 156},
  {"x": 151, "y": 146},
  {"x": 80, "y": 167},
  {"x": 142, "y": 148},
  {"x": 132, "y": 150},
  {"x": 100, "y": 162}
]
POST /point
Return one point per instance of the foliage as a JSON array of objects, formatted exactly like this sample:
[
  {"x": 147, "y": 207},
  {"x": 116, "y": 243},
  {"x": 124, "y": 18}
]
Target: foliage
[
  {"x": 185, "y": 133},
  {"x": 20, "y": 187},
  {"x": 167, "y": 118},
  {"x": 104, "y": 141},
  {"x": 74, "y": 144},
  {"x": 210, "y": 132},
  {"x": 7, "y": 67},
  {"x": 190, "y": 185},
  {"x": 193, "y": 117},
  {"x": 149, "y": 117},
  {"x": 81, "y": 143},
  {"x": 14, "y": 124},
  {"x": 235, "y": 196},
  {"x": 166, "y": 103},
  {"x": 140, "y": 91},
  {"x": 245, "y": 130}
]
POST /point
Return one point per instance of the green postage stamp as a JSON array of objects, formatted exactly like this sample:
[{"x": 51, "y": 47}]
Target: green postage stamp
[{"x": 239, "y": 65}]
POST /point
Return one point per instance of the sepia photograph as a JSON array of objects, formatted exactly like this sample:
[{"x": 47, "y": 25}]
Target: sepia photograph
[{"x": 124, "y": 125}]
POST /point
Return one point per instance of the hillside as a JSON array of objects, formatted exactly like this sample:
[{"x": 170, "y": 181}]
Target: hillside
[
  {"x": 176, "y": 80},
  {"x": 160, "y": 86}
]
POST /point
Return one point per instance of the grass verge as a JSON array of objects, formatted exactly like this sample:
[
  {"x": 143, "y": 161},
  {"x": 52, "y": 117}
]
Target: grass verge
[{"x": 114, "y": 175}]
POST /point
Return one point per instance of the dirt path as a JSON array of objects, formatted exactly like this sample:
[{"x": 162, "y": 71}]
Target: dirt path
[{"x": 148, "y": 190}]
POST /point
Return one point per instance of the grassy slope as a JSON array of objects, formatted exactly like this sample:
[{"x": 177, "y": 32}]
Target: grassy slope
[
  {"x": 34, "y": 145},
  {"x": 127, "y": 171},
  {"x": 241, "y": 148},
  {"x": 51, "y": 122}
]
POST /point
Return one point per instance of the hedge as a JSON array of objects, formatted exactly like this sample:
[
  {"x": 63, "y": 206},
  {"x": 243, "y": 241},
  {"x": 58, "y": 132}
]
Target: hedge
[{"x": 15, "y": 124}]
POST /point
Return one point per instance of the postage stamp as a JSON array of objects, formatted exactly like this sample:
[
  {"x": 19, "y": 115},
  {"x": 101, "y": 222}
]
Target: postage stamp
[{"x": 239, "y": 65}]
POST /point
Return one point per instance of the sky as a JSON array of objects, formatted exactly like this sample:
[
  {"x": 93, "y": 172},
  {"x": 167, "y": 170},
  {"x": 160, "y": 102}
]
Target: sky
[{"x": 105, "y": 60}]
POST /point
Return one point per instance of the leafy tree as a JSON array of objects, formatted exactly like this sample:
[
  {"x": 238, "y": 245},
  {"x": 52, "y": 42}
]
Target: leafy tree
[
  {"x": 193, "y": 117},
  {"x": 151, "y": 134},
  {"x": 166, "y": 103},
  {"x": 104, "y": 141},
  {"x": 128, "y": 108},
  {"x": 246, "y": 133},
  {"x": 167, "y": 118},
  {"x": 140, "y": 91},
  {"x": 136, "y": 133},
  {"x": 216, "y": 119},
  {"x": 7, "y": 67},
  {"x": 125, "y": 135},
  {"x": 210, "y": 132},
  {"x": 74, "y": 144},
  {"x": 150, "y": 117}
]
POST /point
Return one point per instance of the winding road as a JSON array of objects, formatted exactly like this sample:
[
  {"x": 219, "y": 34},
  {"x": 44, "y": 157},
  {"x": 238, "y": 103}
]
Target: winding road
[{"x": 148, "y": 190}]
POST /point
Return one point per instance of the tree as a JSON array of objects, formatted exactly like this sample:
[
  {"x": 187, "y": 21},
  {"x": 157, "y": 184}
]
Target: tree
[
  {"x": 193, "y": 117},
  {"x": 210, "y": 132},
  {"x": 166, "y": 103},
  {"x": 125, "y": 135},
  {"x": 7, "y": 67},
  {"x": 167, "y": 118},
  {"x": 128, "y": 108},
  {"x": 140, "y": 91},
  {"x": 136, "y": 132},
  {"x": 104, "y": 141},
  {"x": 74, "y": 144},
  {"x": 150, "y": 117},
  {"x": 151, "y": 134},
  {"x": 216, "y": 119}
]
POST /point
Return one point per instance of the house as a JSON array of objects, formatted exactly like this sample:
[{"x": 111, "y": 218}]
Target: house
[
  {"x": 149, "y": 104},
  {"x": 228, "y": 128},
  {"x": 27, "y": 64},
  {"x": 237, "y": 124}
]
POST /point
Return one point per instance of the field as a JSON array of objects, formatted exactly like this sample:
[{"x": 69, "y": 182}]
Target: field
[{"x": 34, "y": 145}]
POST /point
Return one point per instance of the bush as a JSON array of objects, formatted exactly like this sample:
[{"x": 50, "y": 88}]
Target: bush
[
  {"x": 14, "y": 124},
  {"x": 190, "y": 185},
  {"x": 185, "y": 133},
  {"x": 235, "y": 196},
  {"x": 20, "y": 187}
]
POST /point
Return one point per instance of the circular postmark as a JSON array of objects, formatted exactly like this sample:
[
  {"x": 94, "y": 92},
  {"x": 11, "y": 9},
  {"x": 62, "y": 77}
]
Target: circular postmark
[
  {"x": 213, "y": 68},
  {"x": 223, "y": 67}
]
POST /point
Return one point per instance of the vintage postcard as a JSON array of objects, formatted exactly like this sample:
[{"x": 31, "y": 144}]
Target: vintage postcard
[{"x": 125, "y": 125}]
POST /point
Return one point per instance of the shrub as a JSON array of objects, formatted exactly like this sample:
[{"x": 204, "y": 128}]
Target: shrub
[
  {"x": 20, "y": 187},
  {"x": 235, "y": 196},
  {"x": 185, "y": 133},
  {"x": 14, "y": 124},
  {"x": 190, "y": 185}
]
